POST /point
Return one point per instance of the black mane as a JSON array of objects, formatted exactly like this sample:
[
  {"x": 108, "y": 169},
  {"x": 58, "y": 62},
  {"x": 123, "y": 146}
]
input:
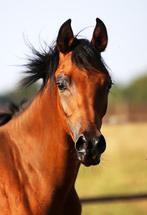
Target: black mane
[
  {"x": 41, "y": 66},
  {"x": 86, "y": 56},
  {"x": 44, "y": 64}
]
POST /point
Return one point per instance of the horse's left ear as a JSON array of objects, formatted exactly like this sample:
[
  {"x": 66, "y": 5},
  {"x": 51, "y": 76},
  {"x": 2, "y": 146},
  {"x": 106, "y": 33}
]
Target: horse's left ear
[
  {"x": 100, "y": 36},
  {"x": 65, "y": 37}
]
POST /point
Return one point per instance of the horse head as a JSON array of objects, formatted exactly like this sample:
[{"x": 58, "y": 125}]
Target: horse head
[{"x": 83, "y": 83}]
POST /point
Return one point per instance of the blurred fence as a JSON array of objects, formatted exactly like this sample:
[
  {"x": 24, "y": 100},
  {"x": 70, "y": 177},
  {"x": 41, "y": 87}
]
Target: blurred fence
[
  {"x": 114, "y": 198},
  {"x": 126, "y": 113}
]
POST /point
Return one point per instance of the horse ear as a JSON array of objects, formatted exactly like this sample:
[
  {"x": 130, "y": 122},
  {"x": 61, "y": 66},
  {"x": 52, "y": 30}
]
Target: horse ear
[
  {"x": 100, "y": 37},
  {"x": 65, "y": 37}
]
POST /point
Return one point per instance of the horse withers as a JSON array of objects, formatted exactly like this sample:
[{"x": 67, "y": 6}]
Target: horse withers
[{"x": 42, "y": 147}]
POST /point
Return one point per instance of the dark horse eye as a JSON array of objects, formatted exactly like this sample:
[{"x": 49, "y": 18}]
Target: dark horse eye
[
  {"x": 62, "y": 84},
  {"x": 109, "y": 86}
]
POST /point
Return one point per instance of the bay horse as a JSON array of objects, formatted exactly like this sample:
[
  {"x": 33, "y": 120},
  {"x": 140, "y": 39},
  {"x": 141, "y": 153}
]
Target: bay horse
[{"x": 42, "y": 147}]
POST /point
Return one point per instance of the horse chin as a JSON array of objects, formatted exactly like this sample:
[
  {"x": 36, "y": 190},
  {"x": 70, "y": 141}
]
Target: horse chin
[{"x": 89, "y": 161}]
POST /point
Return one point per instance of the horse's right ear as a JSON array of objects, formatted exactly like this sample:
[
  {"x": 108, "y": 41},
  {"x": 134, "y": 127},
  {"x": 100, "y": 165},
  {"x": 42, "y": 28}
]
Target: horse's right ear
[
  {"x": 100, "y": 36},
  {"x": 65, "y": 37}
]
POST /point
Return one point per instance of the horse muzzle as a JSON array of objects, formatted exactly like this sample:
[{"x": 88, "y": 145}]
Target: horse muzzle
[{"x": 90, "y": 148}]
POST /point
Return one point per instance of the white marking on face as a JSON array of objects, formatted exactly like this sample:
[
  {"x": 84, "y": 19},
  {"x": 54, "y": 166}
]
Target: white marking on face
[{"x": 74, "y": 129}]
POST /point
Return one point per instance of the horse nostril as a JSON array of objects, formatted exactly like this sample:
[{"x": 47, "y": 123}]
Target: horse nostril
[
  {"x": 84, "y": 145},
  {"x": 101, "y": 144},
  {"x": 81, "y": 144}
]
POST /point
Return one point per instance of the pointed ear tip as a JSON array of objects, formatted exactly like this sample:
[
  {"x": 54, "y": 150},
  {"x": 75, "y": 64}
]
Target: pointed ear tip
[
  {"x": 68, "y": 21},
  {"x": 99, "y": 21}
]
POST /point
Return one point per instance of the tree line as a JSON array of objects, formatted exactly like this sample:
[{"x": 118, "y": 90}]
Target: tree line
[{"x": 135, "y": 94}]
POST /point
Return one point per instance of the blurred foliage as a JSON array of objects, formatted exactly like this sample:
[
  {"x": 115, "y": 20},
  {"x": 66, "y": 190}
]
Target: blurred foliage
[
  {"x": 122, "y": 171},
  {"x": 19, "y": 95},
  {"x": 134, "y": 93}
]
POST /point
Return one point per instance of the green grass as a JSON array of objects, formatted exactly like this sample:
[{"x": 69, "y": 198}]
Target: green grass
[{"x": 123, "y": 170}]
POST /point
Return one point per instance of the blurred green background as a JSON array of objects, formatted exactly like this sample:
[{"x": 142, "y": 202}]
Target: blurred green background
[{"x": 123, "y": 169}]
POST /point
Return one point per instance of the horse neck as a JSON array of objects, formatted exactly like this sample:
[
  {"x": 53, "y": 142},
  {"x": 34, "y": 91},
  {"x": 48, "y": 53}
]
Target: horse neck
[{"x": 44, "y": 144}]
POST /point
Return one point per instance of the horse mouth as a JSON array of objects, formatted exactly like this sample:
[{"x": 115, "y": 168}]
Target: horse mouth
[{"x": 88, "y": 160}]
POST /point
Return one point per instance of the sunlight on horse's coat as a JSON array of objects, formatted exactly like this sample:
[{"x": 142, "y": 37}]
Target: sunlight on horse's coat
[{"x": 42, "y": 147}]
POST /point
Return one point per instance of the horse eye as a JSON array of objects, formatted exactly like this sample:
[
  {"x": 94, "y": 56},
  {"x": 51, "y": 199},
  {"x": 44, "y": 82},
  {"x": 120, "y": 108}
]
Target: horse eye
[
  {"x": 62, "y": 84},
  {"x": 109, "y": 87}
]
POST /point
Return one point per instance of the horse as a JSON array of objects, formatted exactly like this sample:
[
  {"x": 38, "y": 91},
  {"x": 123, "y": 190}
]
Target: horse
[
  {"x": 7, "y": 111},
  {"x": 43, "y": 146}
]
